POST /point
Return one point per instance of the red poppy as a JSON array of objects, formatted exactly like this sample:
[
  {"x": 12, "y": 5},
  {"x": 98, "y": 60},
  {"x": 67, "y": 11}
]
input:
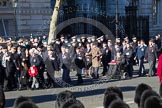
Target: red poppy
[{"x": 33, "y": 71}]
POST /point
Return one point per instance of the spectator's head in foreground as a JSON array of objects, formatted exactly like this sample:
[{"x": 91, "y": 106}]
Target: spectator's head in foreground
[
  {"x": 115, "y": 90},
  {"x": 138, "y": 93},
  {"x": 2, "y": 98},
  {"x": 153, "y": 102},
  {"x": 63, "y": 97},
  {"x": 146, "y": 94},
  {"x": 71, "y": 103},
  {"x": 20, "y": 100},
  {"x": 118, "y": 104},
  {"x": 109, "y": 98},
  {"x": 27, "y": 104}
]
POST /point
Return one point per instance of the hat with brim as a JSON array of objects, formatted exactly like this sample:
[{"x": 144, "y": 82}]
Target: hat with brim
[
  {"x": 83, "y": 37},
  {"x": 19, "y": 41},
  {"x": 74, "y": 37},
  {"x": 109, "y": 41},
  {"x": 134, "y": 38},
  {"x": 62, "y": 37}
]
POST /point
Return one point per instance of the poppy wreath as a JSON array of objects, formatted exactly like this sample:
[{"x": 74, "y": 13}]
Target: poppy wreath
[{"x": 33, "y": 71}]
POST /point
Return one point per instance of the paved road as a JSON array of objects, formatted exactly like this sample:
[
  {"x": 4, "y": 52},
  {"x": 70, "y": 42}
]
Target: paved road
[{"x": 90, "y": 93}]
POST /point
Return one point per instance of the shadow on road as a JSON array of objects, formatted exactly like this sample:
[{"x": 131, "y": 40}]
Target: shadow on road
[{"x": 52, "y": 97}]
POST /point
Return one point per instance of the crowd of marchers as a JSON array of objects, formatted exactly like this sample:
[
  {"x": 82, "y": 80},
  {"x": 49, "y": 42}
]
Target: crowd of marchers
[{"x": 31, "y": 62}]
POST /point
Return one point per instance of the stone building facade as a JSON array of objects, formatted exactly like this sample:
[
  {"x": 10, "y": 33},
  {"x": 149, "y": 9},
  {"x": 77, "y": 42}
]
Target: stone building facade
[
  {"x": 150, "y": 8},
  {"x": 33, "y": 16},
  {"x": 29, "y": 16}
]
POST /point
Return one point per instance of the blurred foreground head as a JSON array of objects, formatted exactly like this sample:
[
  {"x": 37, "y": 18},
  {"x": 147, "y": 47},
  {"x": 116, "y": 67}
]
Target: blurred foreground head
[
  {"x": 139, "y": 90},
  {"x": 2, "y": 98}
]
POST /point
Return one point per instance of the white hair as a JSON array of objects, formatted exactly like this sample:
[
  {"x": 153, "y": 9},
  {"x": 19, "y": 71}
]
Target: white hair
[{"x": 33, "y": 50}]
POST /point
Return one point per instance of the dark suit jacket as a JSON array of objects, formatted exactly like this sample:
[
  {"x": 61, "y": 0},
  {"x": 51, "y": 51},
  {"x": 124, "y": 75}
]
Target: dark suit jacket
[
  {"x": 141, "y": 52},
  {"x": 54, "y": 62},
  {"x": 106, "y": 56},
  {"x": 2, "y": 74},
  {"x": 151, "y": 53},
  {"x": 35, "y": 60},
  {"x": 80, "y": 61},
  {"x": 128, "y": 54},
  {"x": 65, "y": 60},
  {"x": 13, "y": 63},
  {"x": 112, "y": 50}
]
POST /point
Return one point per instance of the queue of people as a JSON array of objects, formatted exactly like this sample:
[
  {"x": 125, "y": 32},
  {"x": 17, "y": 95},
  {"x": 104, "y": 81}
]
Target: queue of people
[{"x": 32, "y": 62}]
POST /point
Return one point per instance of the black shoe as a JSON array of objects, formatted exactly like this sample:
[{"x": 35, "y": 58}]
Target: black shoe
[
  {"x": 144, "y": 74},
  {"x": 51, "y": 86},
  {"x": 32, "y": 89},
  {"x": 5, "y": 89},
  {"x": 103, "y": 74},
  {"x": 80, "y": 81},
  {"x": 36, "y": 88}
]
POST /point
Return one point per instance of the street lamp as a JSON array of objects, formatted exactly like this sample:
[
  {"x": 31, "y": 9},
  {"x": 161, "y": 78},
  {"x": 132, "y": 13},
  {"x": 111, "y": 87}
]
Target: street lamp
[
  {"x": 116, "y": 19},
  {"x": 14, "y": 4}
]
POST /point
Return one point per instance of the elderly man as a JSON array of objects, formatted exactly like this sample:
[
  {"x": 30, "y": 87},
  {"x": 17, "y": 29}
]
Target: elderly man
[
  {"x": 141, "y": 52},
  {"x": 96, "y": 59},
  {"x": 65, "y": 64},
  {"x": 151, "y": 57},
  {"x": 128, "y": 55}
]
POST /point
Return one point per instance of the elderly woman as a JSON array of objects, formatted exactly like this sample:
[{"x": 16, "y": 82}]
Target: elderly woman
[{"x": 35, "y": 61}]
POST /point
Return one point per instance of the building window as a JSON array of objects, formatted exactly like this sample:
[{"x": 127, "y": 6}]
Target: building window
[
  {"x": 3, "y": 27},
  {"x": 156, "y": 12},
  {"x": 5, "y": 3},
  {"x": 53, "y": 3}
]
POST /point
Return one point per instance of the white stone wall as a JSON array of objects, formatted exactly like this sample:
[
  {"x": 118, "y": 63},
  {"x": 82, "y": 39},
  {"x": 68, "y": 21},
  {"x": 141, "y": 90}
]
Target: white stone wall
[{"x": 33, "y": 16}]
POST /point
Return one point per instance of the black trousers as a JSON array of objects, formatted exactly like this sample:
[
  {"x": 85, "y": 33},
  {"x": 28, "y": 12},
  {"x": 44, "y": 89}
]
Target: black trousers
[
  {"x": 152, "y": 69},
  {"x": 79, "y": 71},
  {"x": 95, "y": 72},
  {"x": 130, "y": 69}
]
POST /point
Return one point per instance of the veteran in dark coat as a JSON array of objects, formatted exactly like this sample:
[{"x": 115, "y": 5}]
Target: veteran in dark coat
[
  {"x": 80, "y": 64},
  {"x": 141, "y": 53},
  {"x": 12, "y": 68},
  {"x": 65, "y": 64},
  {"x": 128, "y": 54},
  {"x": 106, "y": 58},
  {"x": 151, "y": 57}
]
